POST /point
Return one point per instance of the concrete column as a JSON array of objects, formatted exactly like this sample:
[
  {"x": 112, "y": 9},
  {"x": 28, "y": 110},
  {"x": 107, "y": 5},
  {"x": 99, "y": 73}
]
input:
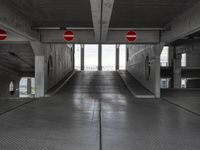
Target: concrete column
[
  {"x": 171, "y": 55},
  {"x": 40, "y": 76},
  {"x": 157, "y": 76},
  {"x": 73, "y": 56},
  {"x": 29, "y": 86},
  {"x": 82, "y": 56},
  {"x": 40, "y": 69},
  {"x": 177, "y": 71},
  {"x": 117, "y": 57},
  {"x": 100, "y": 57}
]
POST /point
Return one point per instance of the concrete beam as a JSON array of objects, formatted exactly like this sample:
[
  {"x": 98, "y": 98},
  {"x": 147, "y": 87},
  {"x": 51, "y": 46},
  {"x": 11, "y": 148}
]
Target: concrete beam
[
  {"x": 38, "y": 48},
  {"x": 106, "y": 17},
  {"x": 87, "y": 37},
  {"x": 96, "y": 17},
  {"x": 101, "y": 15},
  {"x": 14, "y": 21},
  {"x": 183, "y": 25}
]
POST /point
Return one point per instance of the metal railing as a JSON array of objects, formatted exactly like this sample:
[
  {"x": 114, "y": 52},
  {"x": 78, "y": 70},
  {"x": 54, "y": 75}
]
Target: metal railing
[{"x": 95, "y": 68}]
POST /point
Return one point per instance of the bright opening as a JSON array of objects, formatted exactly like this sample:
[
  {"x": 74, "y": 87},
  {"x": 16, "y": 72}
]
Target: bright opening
[
  {"x": 91, "y": 57},
  {"x": 108, "y": 57},
  {"x": 122, "y": 57},
  {"x": 27, "y": 87},
  {"x": 165, "y": 83},
  {"x": 183, "y": 60},
  {"x": 183, "y": 83},
  {"x": 164, "y": 57}
]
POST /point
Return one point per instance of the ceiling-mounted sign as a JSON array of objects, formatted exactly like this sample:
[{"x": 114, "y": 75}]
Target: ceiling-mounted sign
[
  {"x": 3, "y": 35},
  {"x": 69, "y": 36},
  {"x": 131, "y": 36}
]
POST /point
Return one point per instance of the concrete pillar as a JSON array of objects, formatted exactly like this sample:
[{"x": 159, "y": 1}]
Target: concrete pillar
[
  {"x": 29, "y": 86},
  {"x": 100, "y": 57},
  {"x": 117, "y": 57},
  {"x": 177, "y": 71},
  {"x": 82, "y": 57},
  {"x": 40, "y": 76},
  {"x": 40, "y": 69},
  {"x": 171, "y": 55},
  {"x": 157, "y": 76},
  {"x": 73, "y": 56}
]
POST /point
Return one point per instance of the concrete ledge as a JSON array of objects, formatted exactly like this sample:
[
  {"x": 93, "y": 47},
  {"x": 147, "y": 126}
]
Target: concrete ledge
[
  {"x": 52, "y": 91},
  {"x": 141, "y": 92}
]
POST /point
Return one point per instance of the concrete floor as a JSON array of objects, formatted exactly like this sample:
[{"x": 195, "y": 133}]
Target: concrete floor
[
  {"x": 7, "y": 104},
  {"x": 96, "y": 111},
  {"x": 188, "y": 99}
]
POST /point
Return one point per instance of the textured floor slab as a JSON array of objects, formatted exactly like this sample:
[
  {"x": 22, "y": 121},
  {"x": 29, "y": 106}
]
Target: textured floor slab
[
  {"x": 71, "y": 120},
  {"x": 9, "y": 104},
  {"x": 189, "y": 99}
]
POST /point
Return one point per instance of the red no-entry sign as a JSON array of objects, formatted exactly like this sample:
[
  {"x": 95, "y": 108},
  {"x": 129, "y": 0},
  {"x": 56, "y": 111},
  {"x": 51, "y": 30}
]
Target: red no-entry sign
[
  {"x": 68, "y": 36},
  {"x": 131, "y": 36},
  {"x": 3, "y": 34}
]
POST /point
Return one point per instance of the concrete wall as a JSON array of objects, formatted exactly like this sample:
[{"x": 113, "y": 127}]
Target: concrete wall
[
  {"x": 62, "y": 62},
  {"x": 193, "y": 83},
  {"x": 193, "y": 56},
  {"x": 193, "y": 53},
  {"x": 5, "y": 78},
  {"x": 49, "y": 73},
  {"x": 136, "y": 65}
]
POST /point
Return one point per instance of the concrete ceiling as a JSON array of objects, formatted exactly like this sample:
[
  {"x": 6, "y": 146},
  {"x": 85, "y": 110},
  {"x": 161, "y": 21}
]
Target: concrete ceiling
[
  {"x": 147, "y": 13},
  {"x": 126, "y": 13},
  {"x": 17, "y": 57},
  {"x": 62, "y": 13}
]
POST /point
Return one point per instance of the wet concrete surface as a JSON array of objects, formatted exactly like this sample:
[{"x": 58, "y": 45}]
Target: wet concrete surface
[{"x": 93, "y": 111}]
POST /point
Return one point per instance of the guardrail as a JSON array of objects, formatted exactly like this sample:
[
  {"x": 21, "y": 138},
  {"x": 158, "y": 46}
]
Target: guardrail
[{"x": 95, "y": 68}]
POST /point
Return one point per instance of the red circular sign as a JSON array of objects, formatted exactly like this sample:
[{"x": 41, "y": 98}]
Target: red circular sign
[
  {"x": 3, "y": 34},
  {"x": 131, "y": 36},
  {"x": 68, "y": 36}
]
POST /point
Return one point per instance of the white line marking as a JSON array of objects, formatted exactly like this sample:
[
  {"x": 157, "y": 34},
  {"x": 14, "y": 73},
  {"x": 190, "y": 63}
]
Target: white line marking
[
  {"x": 3, "y": 34},
  {"x": 68, "y": 35},
  {"x": 130, "y": 36}
]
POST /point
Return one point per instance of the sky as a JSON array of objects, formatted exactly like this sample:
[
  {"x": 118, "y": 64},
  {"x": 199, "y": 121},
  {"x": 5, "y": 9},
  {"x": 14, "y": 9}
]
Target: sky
[{"x": 108, "y": 56}]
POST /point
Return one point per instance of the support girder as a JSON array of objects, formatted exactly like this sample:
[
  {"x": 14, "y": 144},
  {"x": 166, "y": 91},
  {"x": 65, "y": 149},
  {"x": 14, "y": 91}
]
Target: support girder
[
  {"x": 88, "y": 37},
  {"x": 101, "y": 15}
]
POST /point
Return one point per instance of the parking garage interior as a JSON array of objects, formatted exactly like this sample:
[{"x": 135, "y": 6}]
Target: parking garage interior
[{"x": 127, "y": 77}]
